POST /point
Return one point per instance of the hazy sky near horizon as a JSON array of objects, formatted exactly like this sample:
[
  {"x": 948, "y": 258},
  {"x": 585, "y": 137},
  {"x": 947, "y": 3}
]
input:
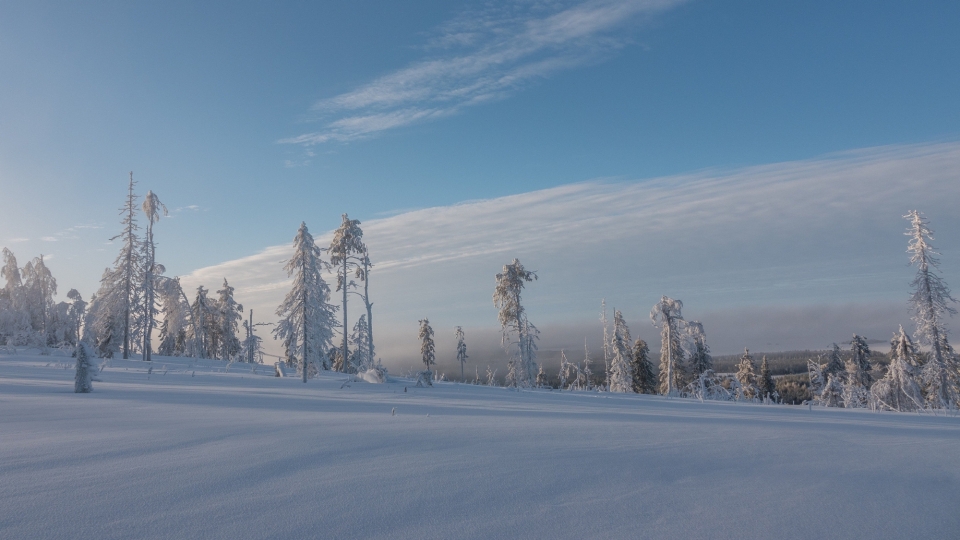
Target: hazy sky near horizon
[{"x": 248, "y": 117}]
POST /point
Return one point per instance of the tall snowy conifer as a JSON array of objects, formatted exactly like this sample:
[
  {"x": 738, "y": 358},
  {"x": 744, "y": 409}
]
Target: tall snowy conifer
[
  {"x": 229, "y": 317},
  {"x": 359, "y": 338},
  {"x": 667, "y": 315},
  {"x": 461, "y": 350},
  {"x": 306, "y": 318},
  {"x": 119, "y": 296},
  {"x": 747, "y": 375},
  {"x": 513, "y": 320},
  {"x": 82, "y": 383},
  {"x": 644, "y": 381},
  {"x": 345, "y": 251},
  {"x": 931, "y": 304},
  {"x": 427, "y": 348},
  {"x": 834, "y": 364},
  {"x": 151, "y": 208},
  {"x": 700, "y": 359},
  {"x": 621, "y": 379},
  {"x": 898, "y": 389},
  {"x": 177, "y": 319},
  {"x": 765, "y": 380}
]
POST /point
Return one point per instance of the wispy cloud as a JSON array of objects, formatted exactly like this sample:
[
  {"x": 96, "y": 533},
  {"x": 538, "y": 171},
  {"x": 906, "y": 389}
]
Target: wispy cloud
[
  {"x": 478, "y": 57},
  {"x": 821, "y": 232},
  {"x": 49, "y": 238}
]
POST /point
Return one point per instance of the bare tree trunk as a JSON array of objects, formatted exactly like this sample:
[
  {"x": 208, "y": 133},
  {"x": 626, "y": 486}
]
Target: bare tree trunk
[
  {"x": 148, "y": 301},
  {"x": 344, "y": 286}
]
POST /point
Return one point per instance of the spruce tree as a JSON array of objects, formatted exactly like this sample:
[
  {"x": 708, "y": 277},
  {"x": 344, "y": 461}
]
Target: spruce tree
[
  {"x": 306, "y": 318},
  {"x": 427, "y": 349},
  {"x": 765, "y": 382},
  {"x": 898, "y": 389},
  {"x": 621, "y": 378},
  {"x": 513, "y": 320},
  {"x": 746, "y": 375},
  {"x": 346, "y": 251},
  {"x": 644, "y": 380},
  {"x": 461, "y": 350},
  {"x": 84, "y": 371},
  {"x": 700, "y": 359},
  {"x": 667, "y": 314}
]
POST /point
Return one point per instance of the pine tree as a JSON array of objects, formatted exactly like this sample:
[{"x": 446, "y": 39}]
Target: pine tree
[
  {"x": 427, "y": 349},
  {"x": 151, "y": 208},
  {"x": 746, "y": 375},
  {"x": 667, "y": 314},
  {"x": 228, "y": 317},
  {"x": 363, "y": 274},
  {"x": 700, "y": 359},
  {"x": 856, "y": 390},
  {"x": 124, "y": 293},
  {"x": 931, "y": 304},
  {"x": 898, "y": 389},
  {"x": 461, "y": 350},
  {"x": 765, "y": 382},
  {"x": 346, "y": 249},
  {"x": 177, "y": 318},
  {"x": 362, "y": 359},
  {"x": 621, "y": 378},
  {"x": 541, "y": 377},
  {"x": 307, "y": 320},
  {"x": 84, "y": 371},
  {"x": 644, "y": 380},
  {"x": 513, "y": 320},
  {"x": 834, "y": 364}
]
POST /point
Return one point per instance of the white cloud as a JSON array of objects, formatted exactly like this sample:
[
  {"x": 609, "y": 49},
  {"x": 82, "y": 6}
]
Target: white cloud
[
  {"x": 480, "y": 56},
  {"x": 48, "y": 238},
  {"x": 788, "y": 236}
]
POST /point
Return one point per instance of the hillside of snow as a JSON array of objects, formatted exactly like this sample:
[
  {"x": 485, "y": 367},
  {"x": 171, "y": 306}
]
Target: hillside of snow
[{"x": 199, "y": 450}]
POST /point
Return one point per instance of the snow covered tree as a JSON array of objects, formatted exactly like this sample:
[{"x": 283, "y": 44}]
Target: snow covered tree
[
  {"x": 123, "y": 292},
  {"x": 307, "y": 319},
  {"x": 765, "y": 382},
  {"x": 76, "y": 312},
  {"x": 205, "y": 329},
  {"x": 541, "y": 378},
  {"x": 898, "y": 389},
  {"x": 177, "y": 319},
  {"x": 644, "y": 381},
  {"x": 361, "y": 356},
  {"x": 363, "y": 274},
  {"x": 427, "y": 349},
  {"x": 667, "y": 315},
  {"x": 346, "y": 248},
  {"x": 461, "y": 350},
  {"x": 228, "y": 317},
  {"x": 606, "y": 342},
  {"x": 84, "y": 370},
  {"x": 746, "y": 375},
  {"x": 621, "y": 378},
  {"x": 700, "y": 359},
  {"x": 39, "y": 287},
  {"x": 252, "y": 347},
  {"x": 151, "y": 208},
  {"x": 856, "y": 390},
  {"x": 931, "y": 304},
  {"x": 835, "y": 363},
  {"x": 513, "y": 320}
]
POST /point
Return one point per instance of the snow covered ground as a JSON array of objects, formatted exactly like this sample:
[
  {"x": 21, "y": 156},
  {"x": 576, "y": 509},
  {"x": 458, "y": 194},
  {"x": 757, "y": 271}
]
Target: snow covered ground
[{"x": 194, "y": 451}]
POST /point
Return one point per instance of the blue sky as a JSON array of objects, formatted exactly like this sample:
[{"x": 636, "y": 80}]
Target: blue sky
[{"x": 246, "y": 118}]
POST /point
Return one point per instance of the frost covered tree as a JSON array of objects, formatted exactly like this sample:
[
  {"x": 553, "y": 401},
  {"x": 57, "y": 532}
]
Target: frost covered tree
[
  {"x": 668, "y": 316},
  {"x": 542, "y": 378},
  {"x": 363, "y": 274},
  {"x": 621, "y": 378},
  {"x": 747, "y": 375},
  {"x": 461, "y": 350},
  {"x": 307, "y": 319},
  {"x": 361, "y": 357},
  {"x": 765, "y": 382},
  {"x": 76, "y": 312},
  {"x": 205, "y": 330},
  {"x": 82, "y": 382},
  {"x": 346, "y": 249},
  {"x": 898, "y": 389},
  {"x": 177, "y": 319},
  {"x": 858, "y": 378},
  {"x": 835, "y": 364},
  {"x": 513, "y": 321},
  {"x": 644, "y": 380},
  {"x": 252, "y": 347},
  {"x": 151, "y": 208},
  {"x": 427, "y": 349},
  {"x": 39, "y": 287},
  {"x": 228, "y": 319},
  {"x": 123, "y": 293},
  {"x": 700, "y": 359},
  {"x": 931, "y": 301},
  {"x": 15, "y": 324}
]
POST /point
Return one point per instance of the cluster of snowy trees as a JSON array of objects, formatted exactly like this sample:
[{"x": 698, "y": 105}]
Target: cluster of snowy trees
[
  {"x": 915, "y": 379},
  {"x": 308, "y": 320},
  {"x": 134, "y": 294},
  {"x": 29, "y": 316}
]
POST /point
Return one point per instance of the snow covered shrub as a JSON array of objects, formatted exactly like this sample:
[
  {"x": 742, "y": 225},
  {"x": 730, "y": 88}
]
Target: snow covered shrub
[{"x": 83, "y": 379}]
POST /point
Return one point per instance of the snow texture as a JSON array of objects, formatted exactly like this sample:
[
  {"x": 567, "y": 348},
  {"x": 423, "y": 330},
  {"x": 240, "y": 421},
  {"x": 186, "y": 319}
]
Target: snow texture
[{"x": 196, "y": 450}]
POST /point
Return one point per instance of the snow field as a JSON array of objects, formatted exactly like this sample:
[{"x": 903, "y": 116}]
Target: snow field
[{"x": 202, "y": 453}]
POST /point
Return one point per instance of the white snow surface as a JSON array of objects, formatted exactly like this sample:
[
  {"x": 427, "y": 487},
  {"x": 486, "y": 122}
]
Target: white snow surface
[{"x": 196, "y": 450}]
